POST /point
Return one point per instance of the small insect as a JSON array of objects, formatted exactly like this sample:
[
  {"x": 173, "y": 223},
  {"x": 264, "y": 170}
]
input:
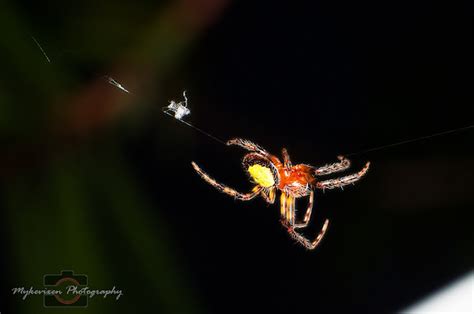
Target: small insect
[
  {"x": 179, "y": 109},
  {"x": 270, "y": 174}
]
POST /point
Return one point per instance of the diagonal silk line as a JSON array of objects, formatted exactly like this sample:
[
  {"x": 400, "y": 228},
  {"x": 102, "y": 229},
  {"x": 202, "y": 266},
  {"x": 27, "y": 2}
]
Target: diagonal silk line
[{"x": 461, "y": 129}]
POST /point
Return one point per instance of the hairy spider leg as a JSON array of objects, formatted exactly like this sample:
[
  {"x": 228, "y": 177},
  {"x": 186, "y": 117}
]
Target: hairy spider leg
[
  {"x": 335, "y": 167},
  {"x": 288, "y": 206},
  {"x": 304, "y": 241},
  {"x": 283, "y": 208},
  {"x": 343, "y": 181},
  {"x": 246, "y": 144},
  {"x": 307, "y": 215},
  {"x": 290, "y": 211},
  {"x": 225, "y": 189},
  {"x": 269, "y": 195},
  {"x": 286, "y": 158}
]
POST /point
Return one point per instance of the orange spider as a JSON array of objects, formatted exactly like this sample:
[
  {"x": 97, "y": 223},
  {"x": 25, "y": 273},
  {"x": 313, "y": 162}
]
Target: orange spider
[{"x": 270, "y": 174}]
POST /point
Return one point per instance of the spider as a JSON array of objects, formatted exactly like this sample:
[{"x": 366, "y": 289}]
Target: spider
[{"x": 270, "y": 174}]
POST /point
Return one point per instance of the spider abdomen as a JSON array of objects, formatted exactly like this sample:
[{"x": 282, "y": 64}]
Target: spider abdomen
[{"x": 261, "y": 170}]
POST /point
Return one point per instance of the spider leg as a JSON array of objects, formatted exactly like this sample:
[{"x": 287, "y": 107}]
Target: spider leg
[
  {"x": 287, "y": 209},
  {"x": 225, "y": 189},
  {"x": 283, "y": 208},
  {"x": 286, "y": 206},
  {"x": 307, "y": 215},
  {"x": 310, "y": 245},
  {"x": 342, "y": 165},
  {"x": 343, "y": 181},
  {"x": 246, "y": 144},
  {"x": 290, "y": 213},
  {"x": 286, "y": 158},
  {"x": 269, "y": 195}
]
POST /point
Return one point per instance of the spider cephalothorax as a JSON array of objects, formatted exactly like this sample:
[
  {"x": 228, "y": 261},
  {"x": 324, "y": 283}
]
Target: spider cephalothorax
[{"x": 270, "y": 174}]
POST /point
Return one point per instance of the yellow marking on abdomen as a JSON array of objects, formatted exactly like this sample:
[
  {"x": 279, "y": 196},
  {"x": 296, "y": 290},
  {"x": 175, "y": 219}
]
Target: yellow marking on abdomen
[{"x": 262, "y": 175}]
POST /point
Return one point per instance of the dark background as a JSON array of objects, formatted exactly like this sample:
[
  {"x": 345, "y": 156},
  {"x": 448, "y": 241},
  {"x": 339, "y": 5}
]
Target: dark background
[{"x": 100, "y": 181}]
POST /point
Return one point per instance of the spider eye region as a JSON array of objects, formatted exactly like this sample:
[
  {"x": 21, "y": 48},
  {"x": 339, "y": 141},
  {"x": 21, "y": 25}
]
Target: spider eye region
[{"x": 262, "y": 175}]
